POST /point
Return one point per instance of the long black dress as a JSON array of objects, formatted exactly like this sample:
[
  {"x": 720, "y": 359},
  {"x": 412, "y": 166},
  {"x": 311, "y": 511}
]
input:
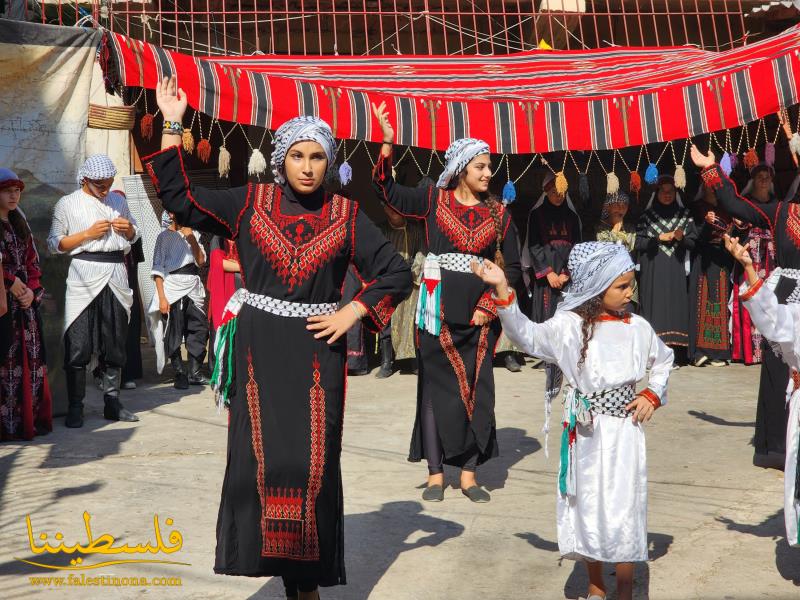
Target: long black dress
[
  {"x": 281, "y": 510},
  {"x": 552, "y": 231},
  {"x": 783, "y": 219},
  {"x": 455, "y": 368},
  {"x": 663, "y": 283},
  {"x": 710, "y": 289}
]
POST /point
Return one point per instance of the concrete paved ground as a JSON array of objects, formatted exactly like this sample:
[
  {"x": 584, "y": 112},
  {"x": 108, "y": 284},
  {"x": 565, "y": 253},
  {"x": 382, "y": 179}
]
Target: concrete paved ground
[{"x": 716, "y": 523}]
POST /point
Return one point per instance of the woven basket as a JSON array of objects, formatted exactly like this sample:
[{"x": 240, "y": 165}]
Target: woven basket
[{"x": 112, "y": 117}]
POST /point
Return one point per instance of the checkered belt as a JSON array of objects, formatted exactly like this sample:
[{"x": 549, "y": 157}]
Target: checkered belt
[
  {"x": 794, "y": 296},
  {"x": 455, "y": 261},
  {"x": 281, "y": 308},
  {"x": 611, "y": 402}
]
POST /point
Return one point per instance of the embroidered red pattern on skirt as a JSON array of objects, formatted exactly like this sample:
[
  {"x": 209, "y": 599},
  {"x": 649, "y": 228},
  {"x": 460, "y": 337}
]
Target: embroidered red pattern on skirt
[
  {"x": 446, "y": 340},
  {"x": 295, "y": 252},
  {"x": 317, "y": 466},
  {"x": 793, "y": 223}
]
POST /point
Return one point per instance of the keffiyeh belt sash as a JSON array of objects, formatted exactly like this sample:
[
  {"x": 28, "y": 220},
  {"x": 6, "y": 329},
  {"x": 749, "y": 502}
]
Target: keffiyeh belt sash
[
  {"x": 578, "y": 409},
  {"x": 429, "y": 302},
  {"x": 223, "y": 378}
]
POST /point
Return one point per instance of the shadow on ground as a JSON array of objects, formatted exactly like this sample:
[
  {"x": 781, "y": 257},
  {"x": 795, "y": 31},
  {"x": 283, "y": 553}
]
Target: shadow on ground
[{"x": 383, "y": 536}]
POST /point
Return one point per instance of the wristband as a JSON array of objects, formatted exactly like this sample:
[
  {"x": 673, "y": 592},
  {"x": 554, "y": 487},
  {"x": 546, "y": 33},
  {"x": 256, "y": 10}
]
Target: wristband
[
  {"x": 751, "y": 291},
  {"x": 173, "y": 127},
  {"x": 651, "y": 397},
  {"x": 355, "y": 310},
  {"x": 504, "y": 303}
]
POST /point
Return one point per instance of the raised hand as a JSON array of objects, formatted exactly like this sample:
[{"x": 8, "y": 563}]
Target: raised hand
[
  {"x": 738, "y": 251},
  {"x": 702, "y": 160},
  {"x": 491, "y": 275},
  {"x": 171, "y": 99},
  {"x": 382, "y": 114}
]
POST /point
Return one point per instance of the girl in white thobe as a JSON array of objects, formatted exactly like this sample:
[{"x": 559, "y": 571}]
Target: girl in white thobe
[
  {"x": 602, "y": 486},
  {"x": 780, "y": 325}
]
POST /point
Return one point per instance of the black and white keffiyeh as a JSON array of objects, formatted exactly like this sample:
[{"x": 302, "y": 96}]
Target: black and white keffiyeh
[
  {"x": 301, "y": 129},
  {"x": 96, "y": 167},
  {"x": 457, "y": 157},
  {"x": 593, "y": 267}
]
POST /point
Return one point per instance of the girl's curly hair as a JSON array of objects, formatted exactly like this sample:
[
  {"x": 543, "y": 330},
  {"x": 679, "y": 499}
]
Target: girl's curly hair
[{"x": 589, "y": 311}]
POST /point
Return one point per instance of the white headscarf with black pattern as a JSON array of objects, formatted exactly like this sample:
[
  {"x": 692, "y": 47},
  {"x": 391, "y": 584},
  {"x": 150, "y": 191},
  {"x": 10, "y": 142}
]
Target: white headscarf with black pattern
[
  {"x": 593, "y": 267},
  {"x": 301, "y": 129},
  {"x": 457, "y": 157},
  {"x": 97, "y": 167}
]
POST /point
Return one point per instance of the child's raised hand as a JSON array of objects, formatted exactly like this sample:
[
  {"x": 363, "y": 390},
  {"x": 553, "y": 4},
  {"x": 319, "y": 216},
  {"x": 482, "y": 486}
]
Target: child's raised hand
[
  {"x": 738, "y": 251},
  {"x": 490, "y": 273},
  {"x": 641, "y": 409}
]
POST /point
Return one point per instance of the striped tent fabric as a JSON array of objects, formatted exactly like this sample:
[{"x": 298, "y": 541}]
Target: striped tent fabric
[{"x": 538, "y": 101}]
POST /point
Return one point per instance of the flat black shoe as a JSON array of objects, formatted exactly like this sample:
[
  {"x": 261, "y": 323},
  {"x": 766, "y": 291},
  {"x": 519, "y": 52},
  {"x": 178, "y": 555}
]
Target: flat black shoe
[
  {"x": 74, "y": 418},
  {"x": 198, "y": 379},
  {"x": 181, "y": 382},
  {"x": 357, "y": 372},
  {"x": 510, "y": 363},
  {"x": 433, "y": 493},
  {"x": 119, "y": 414},
  {"x": 384, "y": 372},
  {"x": 477, "y": 494}
]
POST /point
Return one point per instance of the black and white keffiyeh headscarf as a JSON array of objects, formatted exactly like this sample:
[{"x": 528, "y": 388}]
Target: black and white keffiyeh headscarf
[
  {"x": 301, "y": 129},
  {"x": 593, "y": 267},
  {"x": 457, "y": 157},
  {"x": 96, "y": 167}
]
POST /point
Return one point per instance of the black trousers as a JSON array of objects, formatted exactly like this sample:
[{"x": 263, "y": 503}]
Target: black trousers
[
  {"x": 101, "y": 328},
  {"x": 186, "y": 323},
  {"x": 132, "y": 369}
]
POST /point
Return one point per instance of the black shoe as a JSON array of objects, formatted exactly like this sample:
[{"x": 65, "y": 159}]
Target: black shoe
[
  {"x": 196, "y": 376},
  {"x": 387, "y": 359},
  {"x": 74, "y": 418},
  {"x": 477, "y": 494},
  {"x": 433, "y": 493},
  {"x": 357, "y": 372},
  {"x": 114, "y": 411},
  {"x": 181, "y": 381},
  {"x": 415, "y": 366},
  {"x": 510, "y": 363},
  {"x": 76, "y": 389}
]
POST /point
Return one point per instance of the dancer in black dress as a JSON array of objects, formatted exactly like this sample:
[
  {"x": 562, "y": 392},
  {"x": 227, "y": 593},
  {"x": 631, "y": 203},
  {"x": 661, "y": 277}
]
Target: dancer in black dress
[{"x": 281, "y": 361}]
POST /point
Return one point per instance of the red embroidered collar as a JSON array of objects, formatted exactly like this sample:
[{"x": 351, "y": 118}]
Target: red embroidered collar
[{"x": 625, "y": 318}]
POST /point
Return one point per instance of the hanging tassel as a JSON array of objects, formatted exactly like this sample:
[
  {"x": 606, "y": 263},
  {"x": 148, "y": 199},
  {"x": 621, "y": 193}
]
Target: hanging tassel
[
  {"x": 794, "y": 143},
  {"x": 345, "y": 173},
  {"x": 680, "y": 177},
  {"x": 636, "y": 183},
  {"x": 734, "y": 161},
  {"x": 425, "y": 182},
  {"x": 612, "y": 184},
  {"x": 204, "y": 150},
  {"x": 583, "y": 187},
  {"x": 751, "y": 159},
  {"x": 725, "y": 164},
  {"x": 146, "y": 126},
  {"x": 561, "y": 183},
  {"x": 224, "y": 164},
  {"x": 257, "y": 163},
  {"x": 509, "y": 192},
  {"x": 769, "y": 154},
  {"x": 187, "y": 140},
  {"x": 651, "y": 174}
]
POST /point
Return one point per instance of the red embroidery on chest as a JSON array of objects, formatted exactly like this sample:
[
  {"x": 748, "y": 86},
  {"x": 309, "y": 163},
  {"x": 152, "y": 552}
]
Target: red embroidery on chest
[
  {"x": 793, "y": 223},
  {"x": 469, "y": 228},
  {"x": 297, "y": 246}
]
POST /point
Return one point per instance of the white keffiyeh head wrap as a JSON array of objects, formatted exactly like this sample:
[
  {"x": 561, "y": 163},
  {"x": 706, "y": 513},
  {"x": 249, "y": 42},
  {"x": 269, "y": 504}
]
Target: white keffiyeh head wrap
[
  {"x": 593, "y": 267},
  {"x": 97, "y": 167},
  {"x": 166, "y": 220},
  {"x": 301, "y": 129},
  {"x": 457, "y": 157}
]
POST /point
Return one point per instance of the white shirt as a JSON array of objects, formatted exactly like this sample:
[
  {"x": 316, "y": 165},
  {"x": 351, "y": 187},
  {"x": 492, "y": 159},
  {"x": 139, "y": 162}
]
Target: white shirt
[
  {"x": 618, "y": 354},
  {"x": 77, "y": 212}
]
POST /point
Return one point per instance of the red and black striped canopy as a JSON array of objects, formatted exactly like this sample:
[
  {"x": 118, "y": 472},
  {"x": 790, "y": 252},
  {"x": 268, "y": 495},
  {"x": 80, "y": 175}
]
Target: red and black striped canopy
[{"x": 539, "y": 101}]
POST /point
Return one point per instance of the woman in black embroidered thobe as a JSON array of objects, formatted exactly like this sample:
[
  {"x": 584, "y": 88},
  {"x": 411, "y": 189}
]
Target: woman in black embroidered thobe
[
  {"x": 783, "y": 220},
  {"x": 457, "y": 320},
  {"x": 281, "y": 510},
  {"x": 664, "y": 237},
  {"x": 710, "y": 283},
  {"x": 553, "y": 228}
]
